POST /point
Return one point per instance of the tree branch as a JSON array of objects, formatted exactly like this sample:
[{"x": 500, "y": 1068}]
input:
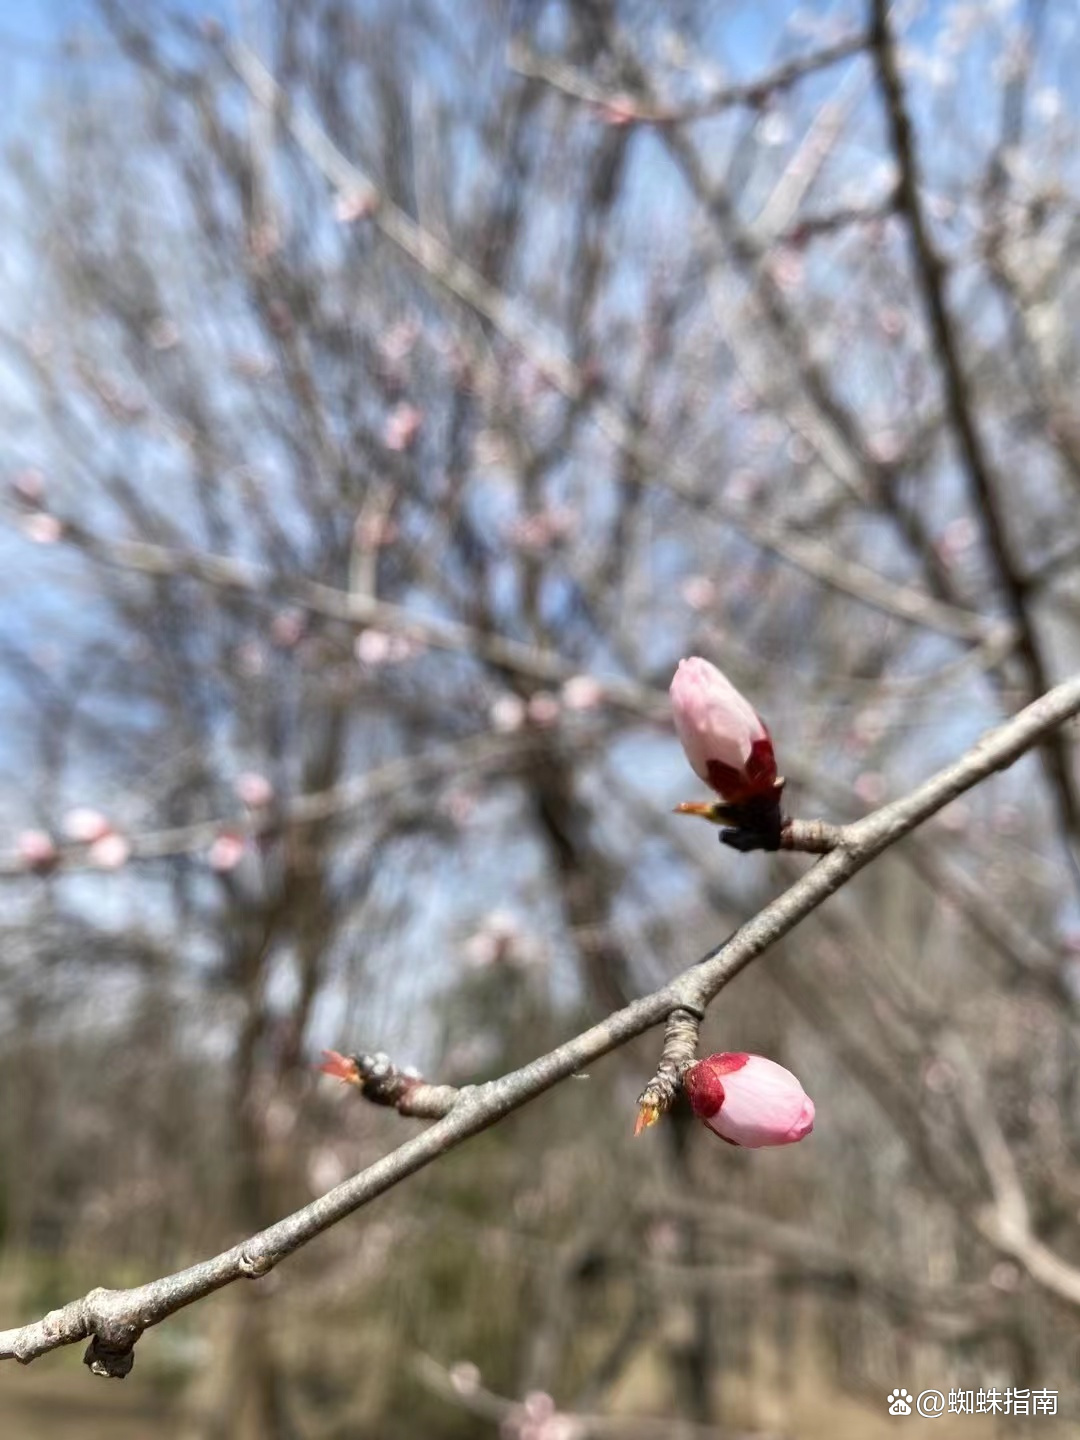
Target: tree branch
[
  {"x": 114, "y": 1319},
  {"x": 930, "y": 277},
  {"x": 439, "y": 263}
]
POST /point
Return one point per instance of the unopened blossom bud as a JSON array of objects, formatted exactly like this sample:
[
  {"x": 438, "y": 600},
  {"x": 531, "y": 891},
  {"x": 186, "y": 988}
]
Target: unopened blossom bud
[
  {"x": 402, "y": 427},
  {"x": 226, "y": 851},
  {"x": 254, "y": 790},
  {"x": 42, "y": 529},
  {"x": 724, "y": 738},
  {"x": 543, "y": 709},
  {"x": 37, "y": 851},
  {"x": 28, "y": 487},
  {"x": 111, "y": 852},
  {"x": 86, "y": 826},
  {"x": 748, "y": 1100}
]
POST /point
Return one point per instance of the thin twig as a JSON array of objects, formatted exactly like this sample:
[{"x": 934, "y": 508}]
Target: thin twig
[{"x": 753, "y": 93}]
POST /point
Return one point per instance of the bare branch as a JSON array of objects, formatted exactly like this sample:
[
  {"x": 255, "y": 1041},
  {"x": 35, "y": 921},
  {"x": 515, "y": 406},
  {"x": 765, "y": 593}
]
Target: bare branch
[
  {"x": 754, "y": 93},
  {"x": 930, "y": 276},
  {"x": 814, "y": 557}
]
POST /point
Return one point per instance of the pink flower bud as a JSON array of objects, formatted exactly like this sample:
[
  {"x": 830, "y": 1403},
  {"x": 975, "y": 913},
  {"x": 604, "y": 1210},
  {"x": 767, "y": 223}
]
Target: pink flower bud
[
  {"x": 355, "y": 205},
  {"x": 402, "y": 427},
  {"x": 725, "y": 740},
  {"x": 372, "y": 647},
  {"x": 226, "y": 852},
  {"x": 543, "y": 710},
  {"x": 254, "y": 790},
  {"x": 582, "y": 692},
  {"x": 42, "y": 529},
  {"x": 37, "y": 851},
  {"x": 85, "y": 826},
  {"x": 111, "y": 852},
  {"x": 507, "y": 714},
  {"x": 748, "y": 1100},
  {"x": 287, "y": 628},
  {"x": 29, "y": 487}
]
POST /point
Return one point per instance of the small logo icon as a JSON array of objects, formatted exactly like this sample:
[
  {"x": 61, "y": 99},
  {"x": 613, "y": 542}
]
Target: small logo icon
[
  {"x": 931, "y": 1404},
  {"x": 899, "y": 1401}
]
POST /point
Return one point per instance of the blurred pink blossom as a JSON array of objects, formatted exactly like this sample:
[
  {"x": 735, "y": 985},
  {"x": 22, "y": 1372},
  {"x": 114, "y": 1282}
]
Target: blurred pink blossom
[
  {"x": 538, "y": 1405},
  {"x": 744, "y": 486},
  {"x": 163, "y": 334},
  {"x": 226, "y": 851},
  {"x": 287, "y": 628},
  {"x": 42, "y": 529},
  {"x": 885, "y": 447},
  {"x": 37, "y": 850},
  {"x": 253, "y": 789},
  {"x": 250, "y": 659},
  {"x": 662, "y": 1239},
  {"x": 749, "y": 1100},
  {"x": 397, "y": 342},
  {"x": 380, "y": 647},
  {"x": 279, "y": 316},
  {"x": 402, "y": 427},
  {"x": 955, "y": 817},
  {"x": 698, "y": 591},
  {"x": 1005, "y": 1275},
  {"x": 84, "y": 826},
  {"x": 111, "y": 852},
  {"x": 787, "y": 267},
  {"x": 459, "y": 806},
  {"x": 543, "y": 529},
  {"x": 251, "y": 366},
  {"x": 939, "y": 1076},
  {"x": 372, "y": 532},
  {"x": 29, "y": 486},
  {"x": 869, "y": 726},
  {"x": 353, "y": 205},
  {"x": 582, "y": 692},
  {"x": 507, "y": 714},
  {"x": 500, "y": 940},
  {"x": 543, "y": 710},
  {"x": 871, "y": 787},
  {"x": 957, "y": 538},
  {"x": 493, "y": 942},
  {"x": 893, "y": 321},
  {"x": 618, "y": 110},
  {"x": 465, "y": 1377},
  {"x": 372, "y": 647}
]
